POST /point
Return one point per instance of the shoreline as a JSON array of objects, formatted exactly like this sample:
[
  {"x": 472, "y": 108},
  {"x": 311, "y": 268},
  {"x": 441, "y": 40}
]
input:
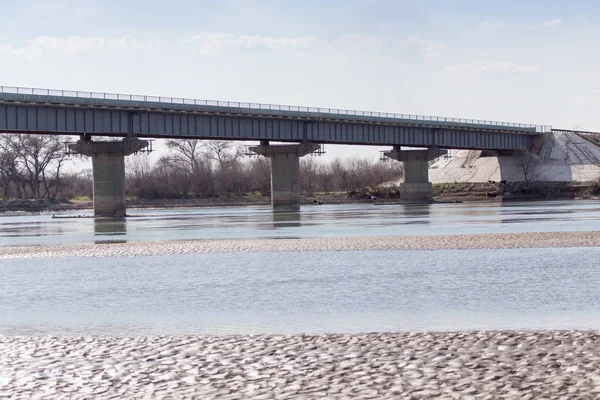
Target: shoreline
[
  {"x": 374, "y": 243},
  {"x": 477, "y": 364},
  {"x": 447, "y": 196}
]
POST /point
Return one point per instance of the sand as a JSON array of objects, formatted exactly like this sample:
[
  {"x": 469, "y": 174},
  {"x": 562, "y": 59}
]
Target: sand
[
  {"x": 379, "y": 243},
  {"x": 473, "y": 365}
]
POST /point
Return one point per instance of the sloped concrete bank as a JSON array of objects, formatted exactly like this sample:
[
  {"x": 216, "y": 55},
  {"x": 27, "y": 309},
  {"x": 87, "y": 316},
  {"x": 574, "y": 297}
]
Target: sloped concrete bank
[{"x": 564, "y": 157}]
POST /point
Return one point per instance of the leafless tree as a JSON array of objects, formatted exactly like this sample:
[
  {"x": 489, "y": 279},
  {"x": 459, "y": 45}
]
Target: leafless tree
[
  {"x": 192, "y": 158},
  {"x": 341, "y": 174},
  {"x": 528, "y": 162},
  {"x": 259, "y": 174},
  {"x": 226, "y": 156},
  {"x": 137, "y": 172},
  {"x": 309, "y": 171},
  {"x": 224, "y": 152},
  {"x": 188, "y": 152},
  {"x": 33, "y": 163}
]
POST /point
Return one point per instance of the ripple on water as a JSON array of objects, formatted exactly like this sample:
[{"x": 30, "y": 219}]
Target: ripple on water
[{"x": 273, "y": 292}]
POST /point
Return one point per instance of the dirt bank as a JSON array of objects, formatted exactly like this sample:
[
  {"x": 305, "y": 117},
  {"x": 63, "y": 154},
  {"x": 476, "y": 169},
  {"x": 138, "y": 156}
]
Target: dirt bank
[
  {"x": 443, "y": 192},
  {"x": 497, "y": 191}
]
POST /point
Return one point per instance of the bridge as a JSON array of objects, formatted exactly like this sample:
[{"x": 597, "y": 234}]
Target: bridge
[{"x": 132, "y": 117}]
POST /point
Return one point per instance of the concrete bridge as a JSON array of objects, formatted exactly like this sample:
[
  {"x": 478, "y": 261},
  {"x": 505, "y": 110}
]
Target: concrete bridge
[{"x": 88, "y": 114}]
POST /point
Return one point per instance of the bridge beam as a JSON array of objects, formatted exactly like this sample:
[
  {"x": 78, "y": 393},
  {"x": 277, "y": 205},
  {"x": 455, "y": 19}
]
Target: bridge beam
[
  {"x": 108, "y": 163},
  {"x": 416, "y": 186},
  {"x": 285, "y": 173}
]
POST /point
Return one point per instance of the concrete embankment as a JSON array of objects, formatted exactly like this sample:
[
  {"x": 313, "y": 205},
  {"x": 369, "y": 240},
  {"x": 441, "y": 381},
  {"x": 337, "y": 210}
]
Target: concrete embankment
[
  {"x": 473, "y": 365},
  {"x": 378, "y": 243},
  {"x": 564, "y": 157}
]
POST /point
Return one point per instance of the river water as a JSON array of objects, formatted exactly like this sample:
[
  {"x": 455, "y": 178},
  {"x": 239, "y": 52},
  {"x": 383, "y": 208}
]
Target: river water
[
  {"x": 359, "y": 291},
  {"x": 312, "y": 221}
]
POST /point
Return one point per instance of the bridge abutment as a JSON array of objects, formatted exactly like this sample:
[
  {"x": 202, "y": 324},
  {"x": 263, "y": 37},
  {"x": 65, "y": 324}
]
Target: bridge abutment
[
  {"x": 285, "y": 173},
  {"x": 108, "y": 164},
  {"x": 416, "y": 186}
]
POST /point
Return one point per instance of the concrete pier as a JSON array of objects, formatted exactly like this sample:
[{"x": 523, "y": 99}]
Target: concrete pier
[
  {"x": 285, "y": 172},
  {"x": 108, "y": 163},
  {"x": 416, "y": 186}
]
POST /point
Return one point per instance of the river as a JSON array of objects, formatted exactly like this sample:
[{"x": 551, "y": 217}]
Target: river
[
  {"x": 17, "y": 229},
  {"x": 312, "y": 291}
]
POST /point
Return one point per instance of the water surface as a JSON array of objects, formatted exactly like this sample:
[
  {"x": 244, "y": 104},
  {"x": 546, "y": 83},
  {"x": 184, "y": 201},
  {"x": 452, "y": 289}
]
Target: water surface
[
  {"x": 313, "y": 221},
  {"x": 359, "y": 291}
]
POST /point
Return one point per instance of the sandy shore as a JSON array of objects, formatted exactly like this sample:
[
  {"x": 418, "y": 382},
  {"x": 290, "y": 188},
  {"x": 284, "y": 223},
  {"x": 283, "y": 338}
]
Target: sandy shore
[
  {"x": 475, "y": 365},
  {"x": 379, "y": 243}
]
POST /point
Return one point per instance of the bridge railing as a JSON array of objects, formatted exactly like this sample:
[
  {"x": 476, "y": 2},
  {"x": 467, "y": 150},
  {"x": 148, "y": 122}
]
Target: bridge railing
[{"x": 260, "y": 106}]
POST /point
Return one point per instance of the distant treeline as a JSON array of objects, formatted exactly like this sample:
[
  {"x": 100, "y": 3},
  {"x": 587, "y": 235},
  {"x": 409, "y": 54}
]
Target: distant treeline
[{"x": 31, "y": 166}]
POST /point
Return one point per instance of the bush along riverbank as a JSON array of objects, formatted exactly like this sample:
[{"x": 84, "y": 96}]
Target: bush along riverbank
[{"x": 442, "y": 192}]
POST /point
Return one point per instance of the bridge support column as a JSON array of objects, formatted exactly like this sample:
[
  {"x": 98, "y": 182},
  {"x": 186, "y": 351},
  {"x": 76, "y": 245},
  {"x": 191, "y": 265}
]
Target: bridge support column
[
  {"x": 108, "y": 163},
  {"x": 416, "y": 186},
  {"x": 285, "y": 173}
]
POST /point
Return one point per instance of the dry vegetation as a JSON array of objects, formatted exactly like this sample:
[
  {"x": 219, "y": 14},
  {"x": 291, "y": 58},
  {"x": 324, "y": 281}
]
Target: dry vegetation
[{"x": 31, "y": 166}]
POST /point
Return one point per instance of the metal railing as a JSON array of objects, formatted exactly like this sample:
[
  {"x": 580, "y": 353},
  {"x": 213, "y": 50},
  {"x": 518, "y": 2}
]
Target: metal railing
[
  {"x": 577, "y": 131},
  {"x": 260, "y": 106}
]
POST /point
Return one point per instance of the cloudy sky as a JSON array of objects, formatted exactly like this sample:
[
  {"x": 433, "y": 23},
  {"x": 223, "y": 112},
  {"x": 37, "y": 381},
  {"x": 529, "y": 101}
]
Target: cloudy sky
[{"x": 532, "y": 61}]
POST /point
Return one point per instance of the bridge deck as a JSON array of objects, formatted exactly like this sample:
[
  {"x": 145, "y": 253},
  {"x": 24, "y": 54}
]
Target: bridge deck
[{"x": 26, "y": 110}]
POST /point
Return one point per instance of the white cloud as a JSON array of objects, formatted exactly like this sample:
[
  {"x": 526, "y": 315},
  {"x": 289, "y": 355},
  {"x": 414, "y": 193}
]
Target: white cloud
[
  {"x": 552, "y": 22},
  {"x": 360, "y": 41},
  {"x": 207, "y": 42},
  {"x": 427, "y": 45},
  {"x": 302, "y": 42},
  {"x": 483, "y": 67},
  {"x": 75, "y": 44},
  {"x": 491, "y": 24}
]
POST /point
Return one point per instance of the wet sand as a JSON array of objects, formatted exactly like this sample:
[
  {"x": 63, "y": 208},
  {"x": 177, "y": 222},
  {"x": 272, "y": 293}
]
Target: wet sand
[
  {"x": 474, "y": 365},
  {"x": 378, "y": 243}
]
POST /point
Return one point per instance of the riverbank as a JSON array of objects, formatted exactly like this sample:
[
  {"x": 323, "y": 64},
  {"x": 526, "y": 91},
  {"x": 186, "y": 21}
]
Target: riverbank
[
  {"x": 481, "y": 365},
  {"x": 375, "y": 243},
  {"x": 442, "y": 193}
]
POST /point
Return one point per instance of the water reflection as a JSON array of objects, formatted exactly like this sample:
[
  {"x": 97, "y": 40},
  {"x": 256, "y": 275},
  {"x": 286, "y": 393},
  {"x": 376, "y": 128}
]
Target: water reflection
[
  {"x": 289, "y": 219},
  {"x": 509, "y": 214},
  {"x": 342, "y": 220},
  {"x": 110, "y": 227},
  {"x": 417, "y": 214}
]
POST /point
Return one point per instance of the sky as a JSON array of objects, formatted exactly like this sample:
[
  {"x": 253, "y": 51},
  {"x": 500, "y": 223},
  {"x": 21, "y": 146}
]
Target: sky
[{"x": 529, "y": 61}]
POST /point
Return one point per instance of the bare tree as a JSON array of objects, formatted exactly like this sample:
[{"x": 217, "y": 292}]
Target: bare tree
[
  {"x": 528, "y": 161},
  {"x": 359, "y": 173},
  {"x": 259, "y": 174},
  {"x": 7, "y": 168},
  {"x": 226, "y": 156},
  {"x": 191, "y": 157},
  {"x": 308, "y": 174},
  {"x": 189, "y": 152},
  {"x": 137, "y": 171},
  {"x": 34, "y": 163},
  {"x": 341, "y": 174},
  {"x": 223, "y": 152}
]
